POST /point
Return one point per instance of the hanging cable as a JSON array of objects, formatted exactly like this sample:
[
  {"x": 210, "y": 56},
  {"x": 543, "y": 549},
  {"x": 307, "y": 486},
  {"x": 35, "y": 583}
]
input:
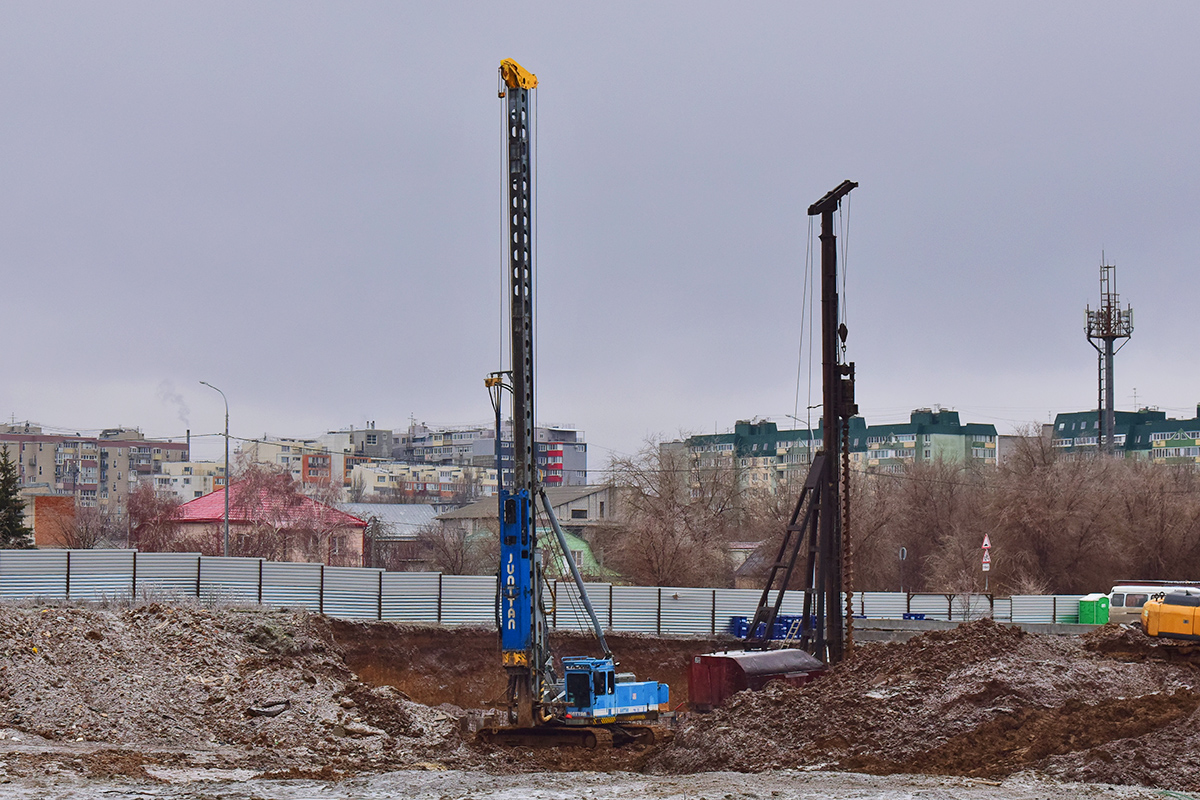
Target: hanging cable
[
  {"x": 533, "y": 227},
  {"x": 812, "y": 293},
  {"x": 804, "y": 312},
  {"x": 504, "y": 212}
]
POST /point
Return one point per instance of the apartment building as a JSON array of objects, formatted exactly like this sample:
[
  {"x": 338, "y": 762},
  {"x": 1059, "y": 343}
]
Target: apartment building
[
  {"x": 1147, "y": 434},
  {"x": 767, "y": 458},
  {"x": 99, "y": 471},
  {"x": 929, "y": 435},
  {"x": 423, "y": 483},
  {"x": 311, "y": 462},
  {"x": 188, "y": 480},
  {"x": 561, "y": 451}
]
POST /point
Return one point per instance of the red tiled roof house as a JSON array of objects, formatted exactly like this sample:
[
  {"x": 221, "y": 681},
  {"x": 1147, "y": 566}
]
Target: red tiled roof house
[{"x": 272, "y": 525}]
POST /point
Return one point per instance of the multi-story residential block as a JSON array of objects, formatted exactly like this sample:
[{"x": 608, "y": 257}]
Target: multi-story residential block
[
  {"x": 99, "y": 471},
  {"x": 310, "y": 462},
  {"x": 1147, "y": 434},
  {"x": 561, "y": 453},
  {"x": 369, "y": 442},
  {"x": 767, "y": 458},
  {"x": 423, "y": 483},
  {"x": 929, "y": 435},
  {"x": 188, "y": 480}
]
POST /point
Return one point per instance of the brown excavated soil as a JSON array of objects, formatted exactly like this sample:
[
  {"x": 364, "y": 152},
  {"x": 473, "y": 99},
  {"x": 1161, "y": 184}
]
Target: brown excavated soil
[
  {"x": 982, "y": 700},
  {"x": 130, "y": 692}
]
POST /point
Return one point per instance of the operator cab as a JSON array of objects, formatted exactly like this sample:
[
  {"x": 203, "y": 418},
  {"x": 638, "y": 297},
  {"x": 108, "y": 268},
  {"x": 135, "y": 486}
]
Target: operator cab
[{"x": 595, "y": 693}]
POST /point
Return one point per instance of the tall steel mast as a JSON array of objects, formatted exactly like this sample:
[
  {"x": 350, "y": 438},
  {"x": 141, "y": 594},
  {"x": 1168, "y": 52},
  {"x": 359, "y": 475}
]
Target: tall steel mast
[
  {"x": 815, "y": 529},
  {"x": 1105, "y": 326},
  {"x": 523, "y": 637}
]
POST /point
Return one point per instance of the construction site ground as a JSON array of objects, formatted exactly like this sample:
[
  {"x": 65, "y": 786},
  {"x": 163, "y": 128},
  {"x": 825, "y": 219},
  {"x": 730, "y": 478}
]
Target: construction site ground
[{"x": 157, "y": 700}]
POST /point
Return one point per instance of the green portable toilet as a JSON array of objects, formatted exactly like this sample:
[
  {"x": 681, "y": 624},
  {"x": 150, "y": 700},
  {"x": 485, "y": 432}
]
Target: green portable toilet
[{"x": 1093, "y": 609}]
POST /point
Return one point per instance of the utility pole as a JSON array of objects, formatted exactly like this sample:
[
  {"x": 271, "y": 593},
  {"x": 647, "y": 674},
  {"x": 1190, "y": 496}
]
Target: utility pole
[
  {"x": 1105, "y": 326},
  {"x": 225, "y": 549}
]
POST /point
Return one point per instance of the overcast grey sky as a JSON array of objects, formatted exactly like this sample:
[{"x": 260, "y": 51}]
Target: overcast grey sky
[{"x": 299, "y": 203}]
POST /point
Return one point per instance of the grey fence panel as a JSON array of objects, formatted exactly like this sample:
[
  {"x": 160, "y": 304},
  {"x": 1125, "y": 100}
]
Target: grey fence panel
[
  {"x": 1034, "y": 608},
  {"x": 884, "y": 605},
  {"x": 793, "y": 603},
  {"x": 167, "y": 576},
  {"x": 635, "y": 609},
  {"x": 732, "y": 603},
  {"x": 933, "y": 606},
  {"x": 412, "y": 596},
  {"x": 967, "y": 607},
  {"x": 1066, "y": 608},
  {"x": 229, "y": 580},
  {"x": 101, "y": 574},
  {"x": 1002, "y": 609},
  {"x": 686, "y": 611},
  {"x": 469, "y": 600},
  {"x": 352, "y": 592},
  {"x": 569, "y": 611},
  {"x": 291, "y": 585},
  {"x": 33, "y": 573}
]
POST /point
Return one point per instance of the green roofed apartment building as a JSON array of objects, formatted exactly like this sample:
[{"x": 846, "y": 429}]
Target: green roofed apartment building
[
  {"x": 767, "y": 458},
  {"x": 1147, "y": 434},
  {"x": 928, "y": 436}
]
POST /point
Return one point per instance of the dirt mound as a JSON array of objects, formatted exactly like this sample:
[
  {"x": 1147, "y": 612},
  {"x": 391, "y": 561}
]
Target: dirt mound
[
  {"x": 1131, "y": 644},
  {"x": 981, "y": 700},
  {"x": 165, "y": 685}
]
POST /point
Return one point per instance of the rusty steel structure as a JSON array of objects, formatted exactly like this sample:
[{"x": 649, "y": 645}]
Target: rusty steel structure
[
  {"x": 1106, "y": 325},
  {"x": 817, "y": 527}
]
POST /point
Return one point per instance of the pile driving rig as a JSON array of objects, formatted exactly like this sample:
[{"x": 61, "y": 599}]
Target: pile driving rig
[
  {"x": 592, "y": 704},
  {"x": 815, "y": 539}
]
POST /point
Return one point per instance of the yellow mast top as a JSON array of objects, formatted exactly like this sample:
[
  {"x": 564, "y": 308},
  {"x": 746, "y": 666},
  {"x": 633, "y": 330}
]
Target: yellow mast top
[{"x": 516, "y": 76}]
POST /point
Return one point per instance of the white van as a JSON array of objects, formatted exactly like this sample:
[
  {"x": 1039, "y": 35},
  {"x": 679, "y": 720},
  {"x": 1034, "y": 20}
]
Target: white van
[{"x": 1126, "y": 599}]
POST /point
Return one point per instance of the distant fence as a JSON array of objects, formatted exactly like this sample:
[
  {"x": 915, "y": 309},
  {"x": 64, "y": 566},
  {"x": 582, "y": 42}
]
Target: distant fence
[{"x": 431, "y": 597}]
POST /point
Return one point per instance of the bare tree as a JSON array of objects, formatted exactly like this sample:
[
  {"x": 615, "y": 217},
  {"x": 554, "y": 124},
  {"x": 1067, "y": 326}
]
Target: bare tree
[
  {"x": 153, "y": 526},
  {"x": 281, "y": 520},
  {"x": 88, "y": 528},
  {"x": 450, "y": 549},
  {"x": 677, "y": 514},
  {"x": 356, "y": 489}
]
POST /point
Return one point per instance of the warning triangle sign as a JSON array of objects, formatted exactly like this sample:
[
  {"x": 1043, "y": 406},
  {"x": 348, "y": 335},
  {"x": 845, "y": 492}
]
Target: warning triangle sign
[
  {"x": 987, "y": 557},
  {"x": 986, "y": 542}
]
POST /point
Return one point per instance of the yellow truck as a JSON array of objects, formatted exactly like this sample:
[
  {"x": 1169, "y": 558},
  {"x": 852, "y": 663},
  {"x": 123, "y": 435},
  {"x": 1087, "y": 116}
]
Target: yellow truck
[{"x": 1172, "y": 615}]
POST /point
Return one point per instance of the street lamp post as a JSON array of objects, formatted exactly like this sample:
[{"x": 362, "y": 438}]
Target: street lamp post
[{"x": 225, "y": 550}]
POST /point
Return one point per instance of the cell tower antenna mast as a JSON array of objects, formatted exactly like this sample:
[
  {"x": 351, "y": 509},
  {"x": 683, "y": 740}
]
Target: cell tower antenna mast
[{"x": 1105, "y": 326}]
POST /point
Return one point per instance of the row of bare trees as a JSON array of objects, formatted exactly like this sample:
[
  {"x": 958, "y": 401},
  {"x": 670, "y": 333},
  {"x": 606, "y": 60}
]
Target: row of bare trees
[{"x": 1055, "y": 525}]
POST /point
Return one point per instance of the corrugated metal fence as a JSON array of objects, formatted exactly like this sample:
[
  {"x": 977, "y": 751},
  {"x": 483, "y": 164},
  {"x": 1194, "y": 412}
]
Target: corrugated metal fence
[{"x": 354, "y": 593}]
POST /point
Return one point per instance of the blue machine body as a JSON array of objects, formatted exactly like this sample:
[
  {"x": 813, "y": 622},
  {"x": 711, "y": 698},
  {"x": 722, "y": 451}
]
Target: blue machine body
[
  {"x": 594, "y": 695},
  {"x": 516, "y": 591}
]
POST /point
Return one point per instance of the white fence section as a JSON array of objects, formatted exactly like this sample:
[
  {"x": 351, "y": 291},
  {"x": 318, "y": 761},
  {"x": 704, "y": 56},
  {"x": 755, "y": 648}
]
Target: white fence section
[{"x": 430, "y": 597}]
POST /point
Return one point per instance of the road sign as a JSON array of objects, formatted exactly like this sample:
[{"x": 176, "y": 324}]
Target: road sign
[
  {"x": 987, "y": 543},
  {"x": 987, "y": 557},
  {"x": 986, "y": 566}
]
